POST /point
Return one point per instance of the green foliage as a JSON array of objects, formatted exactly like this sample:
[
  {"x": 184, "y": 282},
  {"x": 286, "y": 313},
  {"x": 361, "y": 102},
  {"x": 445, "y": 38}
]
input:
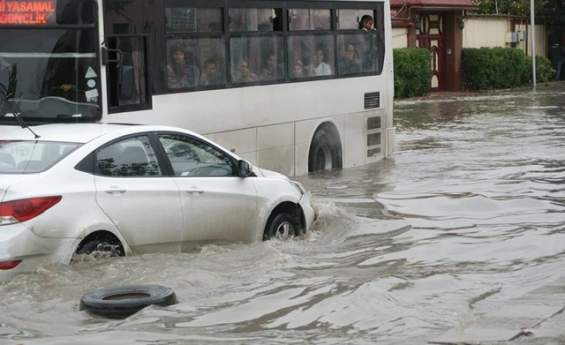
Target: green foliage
[
  {"x": 411, "y": 72},
  {"x": 513, "y": 7},
  {"x": 492, "y": 68},
  {"x": 551, "y": 11},
  {"x": 544, "y": 70}
]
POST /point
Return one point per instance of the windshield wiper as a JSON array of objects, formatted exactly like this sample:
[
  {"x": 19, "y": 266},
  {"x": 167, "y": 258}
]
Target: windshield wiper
[{"x": 7, "y": 94}]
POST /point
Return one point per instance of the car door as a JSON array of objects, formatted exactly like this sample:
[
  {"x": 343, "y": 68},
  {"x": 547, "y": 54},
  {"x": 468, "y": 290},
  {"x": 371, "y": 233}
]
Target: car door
[
  {"x": 134, "y": 193},
  {"x": 216, "y": 204}
]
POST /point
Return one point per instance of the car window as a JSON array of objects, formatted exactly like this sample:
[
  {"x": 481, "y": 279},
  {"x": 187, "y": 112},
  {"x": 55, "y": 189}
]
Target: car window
[
  {"x": 131, "y": 157},
  {"x": 32, "y": 156},
  {"x": 191, "y": 157}
]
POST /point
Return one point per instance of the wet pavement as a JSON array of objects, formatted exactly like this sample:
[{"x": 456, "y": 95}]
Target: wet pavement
[{"x": 537, "y": 317}]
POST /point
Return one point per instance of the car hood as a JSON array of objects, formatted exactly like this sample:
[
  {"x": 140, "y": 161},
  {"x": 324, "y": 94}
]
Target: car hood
[
  {"x": 7, "y": 181},
  {"x": 271, "y": 174}
]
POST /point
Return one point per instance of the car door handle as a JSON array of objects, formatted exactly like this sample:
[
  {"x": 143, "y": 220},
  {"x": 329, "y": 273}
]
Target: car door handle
[
  {"x": 116, "y": 191},
  {"x": 194, "y": 191}
]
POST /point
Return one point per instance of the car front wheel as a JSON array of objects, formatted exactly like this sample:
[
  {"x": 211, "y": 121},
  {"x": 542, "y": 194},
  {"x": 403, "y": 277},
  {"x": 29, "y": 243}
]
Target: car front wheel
[{"x": 282, "y": 227}]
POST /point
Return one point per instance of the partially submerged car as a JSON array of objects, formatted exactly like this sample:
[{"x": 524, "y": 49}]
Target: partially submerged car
[{"x": 69, "y": 189}]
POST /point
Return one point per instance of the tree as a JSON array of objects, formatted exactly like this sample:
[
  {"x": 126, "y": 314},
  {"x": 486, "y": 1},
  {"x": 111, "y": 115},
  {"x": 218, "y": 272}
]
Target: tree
[
  {"x": 509, "y": 7},
  {"x": 551, "y": 11}
]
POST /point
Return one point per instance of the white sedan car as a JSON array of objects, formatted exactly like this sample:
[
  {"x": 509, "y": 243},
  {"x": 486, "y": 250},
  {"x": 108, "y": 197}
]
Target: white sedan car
[{"x": 132, "y": 189}]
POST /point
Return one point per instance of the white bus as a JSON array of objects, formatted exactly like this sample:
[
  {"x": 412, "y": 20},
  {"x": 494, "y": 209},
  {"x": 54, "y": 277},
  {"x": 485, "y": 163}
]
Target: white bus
[{"x": 291, "y": 86}]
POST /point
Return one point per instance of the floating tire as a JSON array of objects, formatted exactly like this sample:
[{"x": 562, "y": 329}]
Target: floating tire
[{"x": 123, "y": 301}]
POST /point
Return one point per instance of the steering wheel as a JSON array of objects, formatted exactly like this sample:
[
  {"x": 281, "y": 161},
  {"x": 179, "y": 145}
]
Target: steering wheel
[{"x": 72, "y": 94}]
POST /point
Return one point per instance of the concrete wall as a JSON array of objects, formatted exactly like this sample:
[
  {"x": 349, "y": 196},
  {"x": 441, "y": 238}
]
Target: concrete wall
[
  {"x": 399, "y": 38},
  {"x": 495, "y": 32},
  {"x": 489, "y": 32}
]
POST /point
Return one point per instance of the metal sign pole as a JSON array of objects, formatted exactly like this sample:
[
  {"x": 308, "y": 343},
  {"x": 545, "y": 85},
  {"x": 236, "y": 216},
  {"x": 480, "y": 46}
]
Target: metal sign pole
[{"x": 533, "y": 23}]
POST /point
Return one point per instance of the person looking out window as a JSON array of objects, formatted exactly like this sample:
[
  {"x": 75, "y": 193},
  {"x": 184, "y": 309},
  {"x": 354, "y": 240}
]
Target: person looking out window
[{"x": 179, "y": 73}]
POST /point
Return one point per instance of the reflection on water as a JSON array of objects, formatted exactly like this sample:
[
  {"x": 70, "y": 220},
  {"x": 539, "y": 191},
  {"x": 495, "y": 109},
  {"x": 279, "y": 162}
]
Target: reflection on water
[{"x": 468, "y": 212}]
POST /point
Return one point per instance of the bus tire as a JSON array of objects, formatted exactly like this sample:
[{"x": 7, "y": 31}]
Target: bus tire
[
  {"x": 324, "y": 152},
  {"x": 123, "y": 301},
  {"x": 283, "y": 227}
]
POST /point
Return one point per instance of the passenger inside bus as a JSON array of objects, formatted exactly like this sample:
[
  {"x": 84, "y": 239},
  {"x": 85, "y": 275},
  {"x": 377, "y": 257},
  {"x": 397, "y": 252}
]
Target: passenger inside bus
[
  {"x": 366, "y": 23},
  {"x": 320, "y": 68},
  {"x": 298, "y": 70},
  {"x": 181, "y": 74},
  {"x": 271, "y": 71},
  {"x": 211, "y": 74},
  {"x": 348, "y": 63},
  {"x": 245, "y": 73}
]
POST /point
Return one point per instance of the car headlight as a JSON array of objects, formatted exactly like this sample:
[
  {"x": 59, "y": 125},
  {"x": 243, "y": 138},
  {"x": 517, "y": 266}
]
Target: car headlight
[{"x": 298, "y": 186}]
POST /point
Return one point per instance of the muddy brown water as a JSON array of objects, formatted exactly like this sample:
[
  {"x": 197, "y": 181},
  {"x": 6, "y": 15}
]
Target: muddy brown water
[{"x": 470, "y": 208}]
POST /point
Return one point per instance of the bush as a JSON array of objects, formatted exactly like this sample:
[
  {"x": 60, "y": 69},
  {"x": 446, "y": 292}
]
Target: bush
[
  {"x": 544, "y": 70},
  {"x": 411, "y": 72},
  {"x": 492, "y": 68}
]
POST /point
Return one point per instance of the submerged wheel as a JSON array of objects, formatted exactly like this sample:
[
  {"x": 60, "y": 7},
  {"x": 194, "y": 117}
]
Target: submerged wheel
[
  {"x": 100, "y": 248},
  {"x": 282, "y": 227},
  {"x": 325, "y": 153},
  {"x": 123, "y": 301}
]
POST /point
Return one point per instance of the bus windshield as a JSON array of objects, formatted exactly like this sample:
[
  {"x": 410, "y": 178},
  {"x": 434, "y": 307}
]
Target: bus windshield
[{"x": 49, "y": 62}]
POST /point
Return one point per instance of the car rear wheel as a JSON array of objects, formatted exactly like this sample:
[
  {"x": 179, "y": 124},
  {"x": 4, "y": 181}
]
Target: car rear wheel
[
  {"x": 101, "y": 248},
  {"x": 123, "y": 301},
  {"x": 282, "y": 227}
]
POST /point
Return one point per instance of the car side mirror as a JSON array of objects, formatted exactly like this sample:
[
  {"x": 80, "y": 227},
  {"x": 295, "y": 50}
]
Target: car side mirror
[{"x": 243, "y": 168}]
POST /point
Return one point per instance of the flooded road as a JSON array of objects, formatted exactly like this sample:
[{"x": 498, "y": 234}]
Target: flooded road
[{"x": 470, "y": 209}]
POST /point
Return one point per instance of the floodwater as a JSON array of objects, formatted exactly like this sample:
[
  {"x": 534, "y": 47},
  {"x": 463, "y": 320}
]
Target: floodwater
[{"x": 469, "y": 209}]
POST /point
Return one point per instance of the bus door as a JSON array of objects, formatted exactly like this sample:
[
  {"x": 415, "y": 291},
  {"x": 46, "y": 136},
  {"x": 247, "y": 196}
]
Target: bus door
[{"x": 128, "y": 85}]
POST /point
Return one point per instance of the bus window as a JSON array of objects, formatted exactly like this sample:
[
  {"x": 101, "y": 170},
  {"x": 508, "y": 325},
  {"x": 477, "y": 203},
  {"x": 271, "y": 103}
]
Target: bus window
[
  {"x": 309, "y": 19},
  {"x": 181, "y": 68},
  {"x": 253, "y": 19},
  {"x": 350, "y": 19},
  {"x": 314, "y": 52},
  {"x": 185, "y": 19},
  {"x": 127, "y": 82},
  {"x": 203, "y": 62},
  {"x": 264, "y": 56},
  {"x": 349, "y": 61}
]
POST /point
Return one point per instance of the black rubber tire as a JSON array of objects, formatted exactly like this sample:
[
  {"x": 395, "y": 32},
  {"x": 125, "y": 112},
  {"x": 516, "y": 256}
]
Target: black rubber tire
[
  {"x": 99, "y": 245},
  {"x": 324, "y": 153},
  {"x": 122, "y": 301},
  {"x": 282, "y": 227}
]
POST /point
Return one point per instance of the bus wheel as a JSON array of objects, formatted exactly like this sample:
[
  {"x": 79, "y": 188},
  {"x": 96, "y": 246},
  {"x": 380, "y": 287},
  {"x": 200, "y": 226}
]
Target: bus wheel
[{"x": 325, "y": 153}]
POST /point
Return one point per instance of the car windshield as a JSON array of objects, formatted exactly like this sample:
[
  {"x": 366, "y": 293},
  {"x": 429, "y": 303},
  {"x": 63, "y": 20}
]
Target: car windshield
[
  {"x": 48, "y": 76},
  {"x": 32, "y": 156}
]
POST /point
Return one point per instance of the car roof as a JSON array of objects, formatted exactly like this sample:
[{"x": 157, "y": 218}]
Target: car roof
[{"x": 76, "y": 132}]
